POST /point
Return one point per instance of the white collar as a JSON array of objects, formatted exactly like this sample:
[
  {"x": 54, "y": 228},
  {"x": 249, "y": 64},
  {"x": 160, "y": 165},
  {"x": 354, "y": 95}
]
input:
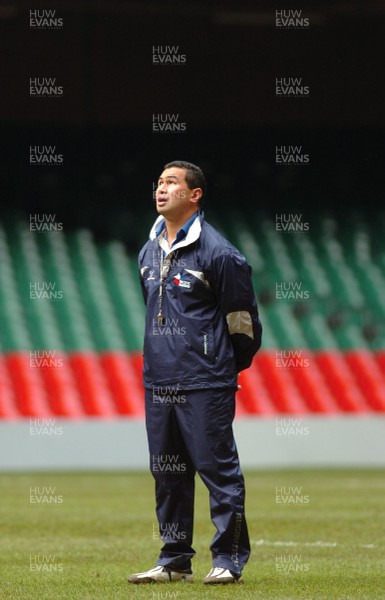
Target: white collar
[{"x": 192, "y": 235}]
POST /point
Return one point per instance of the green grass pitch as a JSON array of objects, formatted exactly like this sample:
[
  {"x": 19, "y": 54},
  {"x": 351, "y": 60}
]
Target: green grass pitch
[{"x": 316, "y": 534}]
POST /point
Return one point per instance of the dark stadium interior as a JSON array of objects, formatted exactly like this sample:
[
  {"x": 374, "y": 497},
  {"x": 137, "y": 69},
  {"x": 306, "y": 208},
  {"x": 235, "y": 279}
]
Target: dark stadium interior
[{"x": 224, "y": 93}]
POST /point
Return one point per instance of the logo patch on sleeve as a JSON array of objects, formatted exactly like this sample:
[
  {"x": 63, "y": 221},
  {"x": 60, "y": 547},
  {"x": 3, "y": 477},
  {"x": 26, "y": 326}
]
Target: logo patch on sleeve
[{"x": 178, "y": 280}]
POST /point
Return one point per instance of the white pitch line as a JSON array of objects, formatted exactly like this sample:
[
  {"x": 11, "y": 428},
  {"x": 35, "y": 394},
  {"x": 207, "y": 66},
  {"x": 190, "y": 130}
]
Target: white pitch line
[{"x": 318, "y": 544}]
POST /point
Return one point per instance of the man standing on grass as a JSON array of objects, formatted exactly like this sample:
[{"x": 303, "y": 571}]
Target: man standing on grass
[{"x": 202, "y": 329}]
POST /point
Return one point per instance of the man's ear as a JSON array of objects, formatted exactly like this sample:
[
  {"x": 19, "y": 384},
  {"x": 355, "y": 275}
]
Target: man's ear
[{"x": 196, "y": 195}]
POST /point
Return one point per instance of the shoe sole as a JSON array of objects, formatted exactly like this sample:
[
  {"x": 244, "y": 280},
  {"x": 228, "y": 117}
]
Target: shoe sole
[{"x": 150, "y": 580}]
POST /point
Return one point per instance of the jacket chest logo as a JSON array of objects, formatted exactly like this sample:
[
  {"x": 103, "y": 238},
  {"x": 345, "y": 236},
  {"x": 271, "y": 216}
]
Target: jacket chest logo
[{"x": 178, "y": 280}]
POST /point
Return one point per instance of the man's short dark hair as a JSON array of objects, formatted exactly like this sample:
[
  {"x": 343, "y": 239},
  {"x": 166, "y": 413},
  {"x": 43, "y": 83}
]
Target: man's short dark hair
[{"x": 194, "y": 176}]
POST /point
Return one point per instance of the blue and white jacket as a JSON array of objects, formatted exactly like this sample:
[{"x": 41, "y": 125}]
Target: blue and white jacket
[{"x": 211, "y": 328}]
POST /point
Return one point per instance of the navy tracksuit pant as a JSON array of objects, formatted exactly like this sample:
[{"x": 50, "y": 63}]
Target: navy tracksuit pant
[{"x": 191, "y": 432}]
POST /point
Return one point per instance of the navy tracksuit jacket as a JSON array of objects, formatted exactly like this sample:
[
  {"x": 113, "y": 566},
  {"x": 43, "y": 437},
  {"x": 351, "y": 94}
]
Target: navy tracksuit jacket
[{"x": 209, "y": 332}]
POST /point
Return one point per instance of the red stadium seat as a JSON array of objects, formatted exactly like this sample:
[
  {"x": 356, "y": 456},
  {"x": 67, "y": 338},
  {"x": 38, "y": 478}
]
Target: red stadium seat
[
  {"x": 92, "y": 384},
  {"x": 137, "y": 362},
  {"x": 380, "y": 358},
  {"x": 253, "y": 398},
  {"x": 61, "y": 388},
  {"x": 369, "y": 377},
  {"x": 312, "y": 386},
  {"x": 122, "y": 379},
  {"x": 340, "y": 381},
  {"x": 30, "y": 394},
  {"x": 8, "y": 408},
  {"x": 279, "y": 383}
]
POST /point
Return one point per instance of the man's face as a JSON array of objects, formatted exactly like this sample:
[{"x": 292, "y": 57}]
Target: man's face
[{"x": 173, "y": 196}]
